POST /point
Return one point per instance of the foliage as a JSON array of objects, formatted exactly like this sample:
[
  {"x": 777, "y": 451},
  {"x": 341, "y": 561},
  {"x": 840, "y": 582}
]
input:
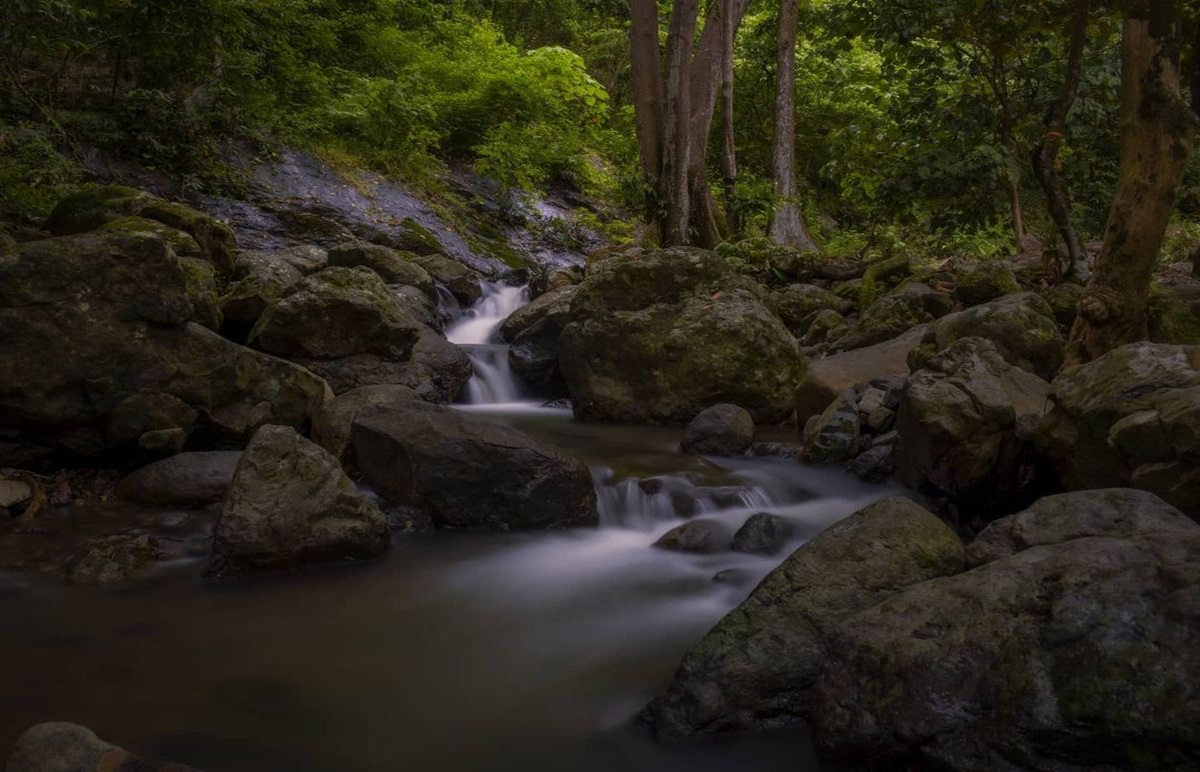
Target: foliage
[{"x": 33, "y": 174}]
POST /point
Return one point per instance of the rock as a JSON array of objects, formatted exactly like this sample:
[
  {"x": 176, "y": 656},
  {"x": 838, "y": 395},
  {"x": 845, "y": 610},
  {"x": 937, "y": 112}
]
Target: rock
[
  {"x": 115, "y": 560},
  {"x": 763, "y": 534},
  {"x": 829, "y": 377},
  {"x": 662, "y": 336},
  {"x": 469, "y": 472},
  {"x": 185, "y": 480},
  {"x": 111, "y": 312},
  {"x": 1077, "y": 654},
  {"x": 784, "y": 450},
  {"x": 1063, "y": 300},
  {"x": 305, "y": 258},
  {"x": 755, "y": 670},
  {"x": 260, "y": 280},
  {"x": 986, "y": 282},
  {"x": 336, "y": 313},
  {"x": 797, "y": 303},
  {"x": 721, "y": 430},
  {"x": 1131, "y": 417},
  {"x": 436, "y": 369},
  {"x": 554, "y": 306},
  {"x": 333, "y": 422},
  {"x": 822, "y": 327},
  {"x": 462, "y": 282},
  {"x": 834, "y": 438},
  {"x": 391, "y": 265},
  {"x": 14, "y": 494},
  {"x": 1022, "y": 326},
  {"x": 894, "y": 315},
  {"x": 958, "y": 424},
  {"x": 699, "y": 536},
  {"x": 291, "y": 505},
  {"x": 534, "y": 332},
  {"x": 1175, "y": 310},
  {"x": 62, "y": 747},
  {"x": 878, "y": 462}
]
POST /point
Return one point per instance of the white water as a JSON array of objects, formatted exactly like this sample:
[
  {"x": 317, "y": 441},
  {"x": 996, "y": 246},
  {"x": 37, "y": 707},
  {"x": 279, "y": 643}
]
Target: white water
[{"x": 476, "y": 331}]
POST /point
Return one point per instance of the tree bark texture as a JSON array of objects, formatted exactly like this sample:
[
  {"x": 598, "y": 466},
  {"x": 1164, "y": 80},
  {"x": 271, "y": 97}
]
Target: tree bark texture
[{"x": 787, "y": 227}]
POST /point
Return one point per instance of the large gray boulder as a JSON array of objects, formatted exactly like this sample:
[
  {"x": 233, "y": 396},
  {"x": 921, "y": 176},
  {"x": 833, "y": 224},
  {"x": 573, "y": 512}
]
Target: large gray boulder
[
  {"x": 58, "y": 746},
  {"x": 1131, "y": 417},
  {"x": 963, "y": 424},
  {"x": 332, "y": 424},
  {"x": 534, "y": 332},
  {"x": 662, "y": 335},
  {"x": 755, "y": 670},
  {"x": 184, "y": 480},
  {"x": 259, "y": 280},
  {"x": 109, "y": 315},
  {"x": 469, "y": 472},
  {"x": 827, "y": 378},
  {"x": 291, "y": 505},
  {"x": 462, "y": 282},
  {"x": 721, "y": 430},
  {"x": 1023, "y": 327},
  {"x": 392, "y": 266}
]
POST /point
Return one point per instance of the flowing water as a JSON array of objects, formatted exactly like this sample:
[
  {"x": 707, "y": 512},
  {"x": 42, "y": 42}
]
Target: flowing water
[{"x": 477, "y": 332}]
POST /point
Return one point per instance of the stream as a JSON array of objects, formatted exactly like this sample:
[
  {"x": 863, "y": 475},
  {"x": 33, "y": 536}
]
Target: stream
[{"x": 458, "y": 651}]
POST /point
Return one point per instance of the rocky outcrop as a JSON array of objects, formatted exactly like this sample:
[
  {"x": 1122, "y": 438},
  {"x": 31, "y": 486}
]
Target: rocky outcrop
[
  {"x": 291, "y": 505},
  {"x": 763, "y": 534},
  {"x": 721, "y": 430},
  {"x": 391, "y": 266},
  {"x": 62, "y": 747},
  {"x": 184, "y": 480},
  {"x": 1023, "y": 328},
  {"x": 469, "y": 472},
  {"x": 756, "y": 669},
  {"x": 1131, "y": 417},
  {"x": 966, "y": 423},
  {"x": 114, "y": 560},
  {"x": 663, "y": 335},
  {"x": 111, "y": 311}
]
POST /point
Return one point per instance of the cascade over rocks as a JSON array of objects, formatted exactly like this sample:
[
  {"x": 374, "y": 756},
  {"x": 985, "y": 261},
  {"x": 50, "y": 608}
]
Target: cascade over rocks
[
  {"x": 1131, "y": 417},
  {"x": 469, "y": 472},
  {"x": 659, "y": 336},
  {"x": 291, "y": 505},
  {"x": 111, "y": 311},
  {"x": 721, "y": 430}
]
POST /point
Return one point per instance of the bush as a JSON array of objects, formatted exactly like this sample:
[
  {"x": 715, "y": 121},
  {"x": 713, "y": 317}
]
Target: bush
[{"x": 33, "y": 174}]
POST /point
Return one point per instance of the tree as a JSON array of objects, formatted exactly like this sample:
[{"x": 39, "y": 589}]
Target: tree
[
  {"x": 1158, "y": 134},
  {"x": 787, "y": 227}
]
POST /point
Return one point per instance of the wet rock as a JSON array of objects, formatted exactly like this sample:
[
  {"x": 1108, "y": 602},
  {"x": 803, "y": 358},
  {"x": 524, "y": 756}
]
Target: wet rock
[
  {"x": 63, "y": 747},
  {"x": 1131, "y": 417},
  {"x": 756, "y": 669},
  {"x": 333, "y": 422},
  {"x": 112, "y": 311},
  {"x": 699, "y": 536},
  {"x": 986, "y": 282},
  {"x": 878, "y": 462},
  {"x": 894, "y": 315},
  {"x": 721, "y": 430},
  {"x": 1175, "y": 310},
  {"x": 462, "y": 282},
  {"x": 291, "y": 505},
  {"x": 186, "y": 480},
  {"x": 958, "y": 424},
  {"x": 797, "y": 303},
  {"x": 115, "y": 560},
  {"x": 763, "y": 534},
  {"x": 827, "y": 378},
  {"x": 392, "y": 266},
  {"x": 469, "y": 472},
  {"x": 534, "y": 332},
  {"x": 662, "y": 336},
  {"x": 834, "y": 437},
  {"x": 785, "y": 450},
  {"x": 1022, "y": 327}
]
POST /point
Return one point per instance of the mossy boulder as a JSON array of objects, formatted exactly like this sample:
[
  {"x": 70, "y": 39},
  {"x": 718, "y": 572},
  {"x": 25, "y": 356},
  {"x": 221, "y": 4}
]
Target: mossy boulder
[
  {"x": 1023, "y": 328},
  {"x": 62, "y": 746},
  {"x": 893, "y": 315},
  {"x": 534, "y": 331},
  {"x": 797, "y": 303},
  {"x": 1175, "y": 310},
  {"x": 721, "y": 430},
  {"x": 391, "y": 265},
  {"x": 1063, "y": 300},
  {"x": 661, "y": 336},
  {"x": 334, "y": 421},
  {"x": 462, "y": 282},
  {"x": 986, "y": 282},
  {"x": 260, "y": 279}
]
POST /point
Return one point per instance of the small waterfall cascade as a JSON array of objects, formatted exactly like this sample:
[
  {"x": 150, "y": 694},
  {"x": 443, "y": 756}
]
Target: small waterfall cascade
[{"x": 477, "y": 331}]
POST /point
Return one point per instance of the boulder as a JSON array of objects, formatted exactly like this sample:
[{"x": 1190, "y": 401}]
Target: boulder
[
  {"x": 291, "y": 505},
  {"x": 661, "y": 336},
  {"x": 827, "y": 378},
  {"x": 534, "y": 332},
  {"x": 114, "y": 560},
  {"x": 797, "y": 303},
  {"x": 958, "y": 423},
  {"x": 986, "y": 282},
  {"x": 703, "y": 536},
  {"x": 62, "y": 747},
  {"x": 436, "y": 369},
  {"x": 755, "y": 670},
  {"x": 721, "y": 430},
  {"x": 1131, "y": 417},
  {"x": 334, "y": 421},
  {"x": 462, "y": 282},
  {"x": 834, "y": 436},
  {"x": 305, "y": 258},
  {"x": 1063, "y": 300},
  {"x": 895, "y": 314},
  {"x": 878, "y": 462},
  {"x": 822, "y": 327},
  {"x": 390, "y": 265},
  {"x": 1023, "y": 328},
  {"x": 469, "y": 472},
  {"x": 260, "y": 279},
  {"x": 1175, "y": 310},
  {"x": 185, "y": 480},
  {"x": 763, "y": 534},
  {"x": 111, "y": 311},
  {"x": 1076, "y": 652}
]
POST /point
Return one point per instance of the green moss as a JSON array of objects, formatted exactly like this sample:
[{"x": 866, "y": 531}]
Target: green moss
[
  {"x": 183, "y": 244},
  {"x": 34, "y": 175}
]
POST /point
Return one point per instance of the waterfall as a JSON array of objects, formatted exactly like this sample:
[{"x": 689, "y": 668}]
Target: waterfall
[{"x": 477, "y": 332}]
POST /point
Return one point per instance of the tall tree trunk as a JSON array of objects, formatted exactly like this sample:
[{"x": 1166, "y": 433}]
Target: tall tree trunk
[
  {"x": 676, "y": 148},
  {"x": 647, "y": 85},
  {"x": 1045, "y": 155},
  {"x": 1158, "y": 133},
  {"x": 787, "y": 227},
  {"x": 1011, "y": 173},
  {"x": 729, "y": 167}
]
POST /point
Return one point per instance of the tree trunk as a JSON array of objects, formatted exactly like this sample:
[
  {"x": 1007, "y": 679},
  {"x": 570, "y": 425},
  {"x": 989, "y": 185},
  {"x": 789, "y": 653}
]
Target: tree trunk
[
  {"x": 1011, "y": 173},
  {"x": 1045, "y": 155},
  {"x": 676, "y": 148},
  {"x": 787, "y": 227},
  {"x": 647, "y": 94},
  {"x": 1158, "y": 133},
  {"x": 729, "y": 168}
]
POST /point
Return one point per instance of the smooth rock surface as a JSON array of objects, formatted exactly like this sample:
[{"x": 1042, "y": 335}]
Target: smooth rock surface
[
  {"x": 184, "y": 480},
  {"x": 721, "y": 430}
]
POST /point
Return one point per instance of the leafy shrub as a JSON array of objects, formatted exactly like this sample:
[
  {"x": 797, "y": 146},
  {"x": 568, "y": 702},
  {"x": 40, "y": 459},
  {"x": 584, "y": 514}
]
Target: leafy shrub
[{"x": 33, "y": 174}]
